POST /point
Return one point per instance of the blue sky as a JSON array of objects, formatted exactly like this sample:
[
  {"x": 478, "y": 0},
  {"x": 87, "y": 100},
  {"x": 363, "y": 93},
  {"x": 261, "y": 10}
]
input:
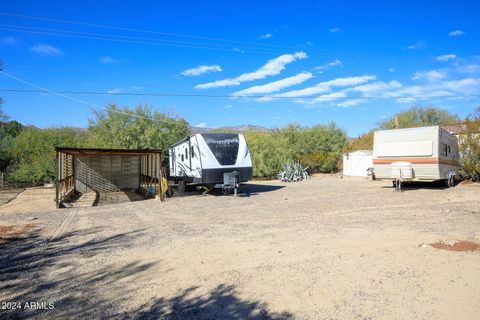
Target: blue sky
[{"x": 271, "y": 62}]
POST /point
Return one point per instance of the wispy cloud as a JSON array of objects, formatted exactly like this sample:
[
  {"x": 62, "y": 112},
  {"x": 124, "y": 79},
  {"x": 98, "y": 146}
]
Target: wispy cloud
[
  {"x": 8, "y": 41},
  {"x": 334, "y": 30},
  {"x": 351, "y": 102},
  {"x": 271, "y": 68},
  {"x": 109, "y": 60},
  {"x": 331, "y": 64},
  {"x": 446, "y": 57},
  {"x": 417, "y": 45},
  {"x": 46, "y": 49},
  {"x": 265, "y": 36},
  {"x": 430, "y": 76},
  {"x": 123, "y": 90},
  {"x": 456, "y": 33},
  {"x": 201, "y": 125},
  {"x": 228, "y": 106},
  {"x": 376, "y": 87},
  {"x": 202, "y": 69},
  {"x": 391, "y": 69},
  {"x": 276, "y": 85},
  {"x": 117, "y": 90},
  {"x": 326, "y": 86}
]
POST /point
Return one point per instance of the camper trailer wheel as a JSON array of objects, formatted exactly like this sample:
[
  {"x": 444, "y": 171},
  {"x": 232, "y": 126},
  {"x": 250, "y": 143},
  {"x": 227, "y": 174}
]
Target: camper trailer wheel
[
  {"x": 450, "y": 181},
  {"x": 181, "y": 186}
]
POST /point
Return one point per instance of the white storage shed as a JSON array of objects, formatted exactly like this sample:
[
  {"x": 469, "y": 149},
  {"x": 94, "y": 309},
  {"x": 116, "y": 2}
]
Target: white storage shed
[{"x": 355, "y": 164}]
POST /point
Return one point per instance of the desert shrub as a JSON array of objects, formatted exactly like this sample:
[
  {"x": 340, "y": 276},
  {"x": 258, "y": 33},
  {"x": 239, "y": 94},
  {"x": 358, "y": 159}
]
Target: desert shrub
[
  {"x": 318, "y": 147},
  {"x": 269, "y": 153},
  {"x": 33, "y": 152},
  {"x": 126, "y": 128},
  {"x": 420, "y": 117},
  {"x": 321, "y": 162},
  {"x": 469, "y": 147}
]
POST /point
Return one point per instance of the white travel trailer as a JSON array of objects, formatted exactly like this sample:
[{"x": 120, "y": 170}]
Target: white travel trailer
[
  {"x": 218, "y": 160},
  {"x": 415, "y": 154}
]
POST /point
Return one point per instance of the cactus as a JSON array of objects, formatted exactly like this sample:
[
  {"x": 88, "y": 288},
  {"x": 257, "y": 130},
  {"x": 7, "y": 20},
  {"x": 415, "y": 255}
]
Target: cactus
[{"x": 293, "y": 172}]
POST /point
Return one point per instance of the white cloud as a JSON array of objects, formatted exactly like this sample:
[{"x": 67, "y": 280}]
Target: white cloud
[
  {"x": 456, "y": 33},
  {"x": 391, "y": 69},
  {"x": 116, "y": 90},
  {"x": 266, "y": 36},
  {"x": 201, "y": 70},
  {"x": 276, "y": 85},
  {"x": 334, "y": 63},
  {"x": 418, "y": 45},
  {"x": 326, "y": 86},
  {"x": 351, "y": 102},
  {"x": 201, "y": 125},
  {"x": 430, "y": 76},
  {"x": 46, "y": 49},
  {"x": 446, "y": 57},
  {"x": 271, "y": 68},
  {"x": 376, "y": 87},
  {"x": 228, "y": 106},
  {"x": 328, "y": 97},
  {"x": 465, "y": 86},
  {"x": 108, "y": 60},
  {"x": 334, "y": 30},
  {"x": 8, "y": 41}
]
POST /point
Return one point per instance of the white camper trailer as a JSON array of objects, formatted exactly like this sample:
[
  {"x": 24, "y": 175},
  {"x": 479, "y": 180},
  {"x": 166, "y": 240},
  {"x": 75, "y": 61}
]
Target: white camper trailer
[
  {"x": 416, "y": 154},
  {"x": 218, "y": 160}
]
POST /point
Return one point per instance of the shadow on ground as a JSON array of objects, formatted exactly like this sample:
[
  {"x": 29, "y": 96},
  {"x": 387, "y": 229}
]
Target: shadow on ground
[
  {"x": 221, "y": 303},
  {"x": 418, "y": 185},
  {"x": 246, "y": 190},
  {"x": 33, "y": 269}
]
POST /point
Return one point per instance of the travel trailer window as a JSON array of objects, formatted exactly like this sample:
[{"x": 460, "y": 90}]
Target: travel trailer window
[
  {"x": 444, "y": 150},
  {"x": 186, "y": 153},
  {"x": 224, "y": 146},
  {"x": 192, "y": 153}
]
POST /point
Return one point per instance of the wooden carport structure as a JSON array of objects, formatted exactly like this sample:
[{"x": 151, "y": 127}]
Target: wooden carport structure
[{"x": 107, "y": 169}]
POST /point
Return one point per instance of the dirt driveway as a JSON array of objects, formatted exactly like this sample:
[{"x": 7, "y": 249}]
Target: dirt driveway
[{"x": 326, "y": 248}]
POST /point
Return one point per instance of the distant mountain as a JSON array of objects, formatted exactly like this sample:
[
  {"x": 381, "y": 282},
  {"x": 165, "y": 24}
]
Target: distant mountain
[{"x": 239, "y": 128}]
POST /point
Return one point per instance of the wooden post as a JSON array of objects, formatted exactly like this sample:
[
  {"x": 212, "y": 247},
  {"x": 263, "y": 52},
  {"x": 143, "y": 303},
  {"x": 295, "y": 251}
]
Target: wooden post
[
  {"x": 57, "y": 185},
  {"x": 160, "y": 176},
  {"x": 396, "y": 121}
]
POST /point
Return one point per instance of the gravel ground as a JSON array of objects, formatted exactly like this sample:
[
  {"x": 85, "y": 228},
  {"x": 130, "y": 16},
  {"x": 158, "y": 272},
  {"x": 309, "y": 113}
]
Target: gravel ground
[{"x": 325, "y": 248}]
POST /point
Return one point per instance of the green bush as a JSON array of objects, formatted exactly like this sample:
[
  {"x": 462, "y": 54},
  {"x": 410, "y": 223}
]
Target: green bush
[
  {"x": 321, "y": 162},
  {"x": 33, "y": 152},
  {"x": 469, "y": 147},
  {"x": 318, "y": 147}
]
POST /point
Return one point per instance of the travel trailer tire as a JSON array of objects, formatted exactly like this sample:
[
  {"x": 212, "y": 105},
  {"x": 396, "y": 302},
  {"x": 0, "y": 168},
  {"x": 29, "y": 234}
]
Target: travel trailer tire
[{"x": 181, "y": 186}]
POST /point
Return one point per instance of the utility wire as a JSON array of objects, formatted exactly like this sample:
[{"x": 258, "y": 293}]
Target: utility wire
[
  {"x": 199, "y": 95},
  {"x": 260, "y": 47},
  {"x": 91, "y": 105}
]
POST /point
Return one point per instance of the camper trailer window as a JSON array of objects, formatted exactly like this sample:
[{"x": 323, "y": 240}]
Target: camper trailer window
[
  {"x": 183, "y": 158},
  {"x": 186, "y": 153},
  {"x": 224, "y": 146},
  {"x": 449, "y": 150},
  {"x": 192, "y": 153},
  {"x": 444, "y": 150}
]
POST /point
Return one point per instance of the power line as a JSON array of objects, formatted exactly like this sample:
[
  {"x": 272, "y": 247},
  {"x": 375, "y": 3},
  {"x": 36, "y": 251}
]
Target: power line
[
  {"x": 259, "y": 47},
  {"x": 199, "y": 95},
  {"x": 91, "y": 105}
]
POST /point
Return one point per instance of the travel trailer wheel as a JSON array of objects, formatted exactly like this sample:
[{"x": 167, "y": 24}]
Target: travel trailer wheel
[
  {"x": 181, "y": 186},
  {"x": 450, "y": 181}
]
